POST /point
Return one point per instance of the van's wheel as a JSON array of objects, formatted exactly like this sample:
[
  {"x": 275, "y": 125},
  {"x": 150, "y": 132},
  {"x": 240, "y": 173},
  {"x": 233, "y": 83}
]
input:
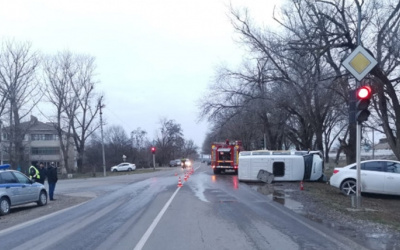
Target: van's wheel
[
  {"x": 129, "y": 169},
  {"x": 4, "y": 206},
  {"x": 217, "y": 171}
]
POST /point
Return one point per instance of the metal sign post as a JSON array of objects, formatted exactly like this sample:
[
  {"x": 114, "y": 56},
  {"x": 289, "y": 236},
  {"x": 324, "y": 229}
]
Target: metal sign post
[
  {"x": 359, "y": 63},
  {"x": 358, "y": 159}
]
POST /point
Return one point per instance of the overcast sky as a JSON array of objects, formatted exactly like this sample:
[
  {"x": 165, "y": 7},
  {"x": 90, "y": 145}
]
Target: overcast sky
[{"x": 155, "y": 58}]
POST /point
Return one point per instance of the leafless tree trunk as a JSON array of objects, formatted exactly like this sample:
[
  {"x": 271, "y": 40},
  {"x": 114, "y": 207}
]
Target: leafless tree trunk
[
  {"x": 169, "y": 136},
  {"x": 71, "y": 90},
  {"x": 291, "y": 94},
  {"x": 84, "y": 106},
  {"x": 58, "y": 71},
  {"x": 329, "y": 29},
  {"x": 20, "y": 88}
]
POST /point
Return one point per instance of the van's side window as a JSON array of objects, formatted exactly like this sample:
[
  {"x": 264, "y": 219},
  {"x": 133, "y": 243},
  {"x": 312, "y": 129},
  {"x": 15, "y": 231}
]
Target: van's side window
[{"x": 278, "y": 169}]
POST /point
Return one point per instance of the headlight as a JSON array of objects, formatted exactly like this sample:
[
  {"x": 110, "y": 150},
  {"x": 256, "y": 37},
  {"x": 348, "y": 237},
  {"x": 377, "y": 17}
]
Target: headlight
[{"x": 188, "y": 163}]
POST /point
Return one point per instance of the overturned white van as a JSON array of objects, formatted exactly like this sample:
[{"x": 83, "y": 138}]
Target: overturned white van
[{"x": 280, "y": 165}]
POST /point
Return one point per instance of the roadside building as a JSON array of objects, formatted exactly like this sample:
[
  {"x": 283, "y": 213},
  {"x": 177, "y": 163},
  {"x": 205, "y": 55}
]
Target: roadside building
[
  {"x": 382, "y": 145},
  {"x": 41, "y": 144}
]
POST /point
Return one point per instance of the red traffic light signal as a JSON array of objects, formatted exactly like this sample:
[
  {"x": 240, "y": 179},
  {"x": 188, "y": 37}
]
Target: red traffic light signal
[
  {"x": 363, "y": 94},
  {"x": 153, "y": 150}
]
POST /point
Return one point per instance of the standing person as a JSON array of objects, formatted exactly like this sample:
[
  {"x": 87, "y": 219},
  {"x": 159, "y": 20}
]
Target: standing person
[
  {"x": 42, "y": 172},
  {"x": 34, "y": 173},
  {"x": 52, "y": 179},
  {"x": 183, "y": 160}
]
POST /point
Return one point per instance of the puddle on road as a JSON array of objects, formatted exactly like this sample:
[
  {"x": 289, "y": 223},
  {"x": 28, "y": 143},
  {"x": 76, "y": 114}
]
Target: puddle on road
[
  {"x": 276, "y": 192},
  {"x": 282, "y": 196}
]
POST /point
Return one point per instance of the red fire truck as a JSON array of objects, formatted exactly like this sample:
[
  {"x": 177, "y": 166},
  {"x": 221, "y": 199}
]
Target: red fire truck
[{"x": 225, "y": 156}]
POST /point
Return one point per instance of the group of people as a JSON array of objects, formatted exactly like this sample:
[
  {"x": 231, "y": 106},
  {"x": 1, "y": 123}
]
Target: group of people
[{"x": 40, "y": 174}]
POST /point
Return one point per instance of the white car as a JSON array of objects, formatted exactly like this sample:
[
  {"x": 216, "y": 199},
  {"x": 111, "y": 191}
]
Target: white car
[
  {"x": 377, "y": 176},
  {"x": 125, "y": 166}
]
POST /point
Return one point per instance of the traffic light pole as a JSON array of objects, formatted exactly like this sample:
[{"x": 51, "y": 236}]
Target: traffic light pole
[
  {"x": 154, "y": 162},
  {"x": 358, "y": 159}
]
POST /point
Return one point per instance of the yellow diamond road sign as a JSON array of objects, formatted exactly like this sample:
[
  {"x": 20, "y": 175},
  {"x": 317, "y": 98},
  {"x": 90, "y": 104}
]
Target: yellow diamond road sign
[{"x": 359, "y": 63}]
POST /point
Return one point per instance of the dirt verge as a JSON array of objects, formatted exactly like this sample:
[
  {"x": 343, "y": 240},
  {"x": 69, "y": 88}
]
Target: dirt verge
[
  {"x": 27, "y": 212},
  {"x": 376, "y": 224}
]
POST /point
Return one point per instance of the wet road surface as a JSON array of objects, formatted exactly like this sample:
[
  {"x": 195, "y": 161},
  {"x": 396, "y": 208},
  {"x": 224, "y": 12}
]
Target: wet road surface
[{"x": 149, "y": 211}]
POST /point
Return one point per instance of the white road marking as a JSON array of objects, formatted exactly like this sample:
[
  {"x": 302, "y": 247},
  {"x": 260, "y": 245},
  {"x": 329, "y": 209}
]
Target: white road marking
[{"x": 153, "y": 225}]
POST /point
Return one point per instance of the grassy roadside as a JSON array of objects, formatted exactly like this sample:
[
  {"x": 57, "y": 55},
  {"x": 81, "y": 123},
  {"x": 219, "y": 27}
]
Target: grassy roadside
[{"x": 383, "y": 209}]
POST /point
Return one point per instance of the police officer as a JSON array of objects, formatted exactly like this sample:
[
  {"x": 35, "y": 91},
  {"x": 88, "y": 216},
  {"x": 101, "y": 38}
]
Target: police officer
[
  {"x": 183, "y": 160},
  {"x": 34, "y": 173},
  {"x": 42, "y": 173}
]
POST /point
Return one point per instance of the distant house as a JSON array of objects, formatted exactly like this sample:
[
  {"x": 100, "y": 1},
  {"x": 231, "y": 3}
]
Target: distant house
[
  {"x": 382, "y": 144},
  {"x": 42, "y": 144}
]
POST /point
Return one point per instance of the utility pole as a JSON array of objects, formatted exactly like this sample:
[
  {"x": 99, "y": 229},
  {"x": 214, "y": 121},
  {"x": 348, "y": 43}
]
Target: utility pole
[{"x": 102, "y": 136}]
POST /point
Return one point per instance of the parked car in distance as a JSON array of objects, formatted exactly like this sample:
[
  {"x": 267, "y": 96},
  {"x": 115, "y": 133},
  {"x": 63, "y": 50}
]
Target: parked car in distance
[
  {"x": 16, "y": 189},
  {"x": 175, "y": 163},
  {"x": 377, "y": 176},
  {"x": 125, "y": 166}
]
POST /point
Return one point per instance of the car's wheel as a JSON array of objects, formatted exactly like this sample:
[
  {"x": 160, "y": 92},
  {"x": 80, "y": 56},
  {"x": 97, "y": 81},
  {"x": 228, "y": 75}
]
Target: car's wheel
[
  {"x": 217, "y": 171},
  {"x": 42, "y": 198},
  {"x": 349, "y": 187},
  {"x": 114, "y": 170},
  {"x": 129, "y": 169},
  {"x": 4, "y": 206}
]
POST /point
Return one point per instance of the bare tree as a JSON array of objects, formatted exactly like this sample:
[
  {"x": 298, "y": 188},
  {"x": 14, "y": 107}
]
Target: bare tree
[
  {"x": 300, "y": 82},
  {"x": 242, "y": 104},
  {"x": 59, "y": 71},
  {"x": 19, "y": 88},
  {"x": 140, "y": 147},
  {"x": 169, "y": 136},
  {"x": 190, "y": 149},
  {"x": 71, "y": 90},
  {"x": 117, "y": 144},
  {"x": 85, "y": 105},
  {"x": 329, "y": 29}
]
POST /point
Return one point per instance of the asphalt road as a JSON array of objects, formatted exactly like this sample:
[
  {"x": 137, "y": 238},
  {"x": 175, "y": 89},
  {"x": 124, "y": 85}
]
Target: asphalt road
[{"x": 149, "y": 211}]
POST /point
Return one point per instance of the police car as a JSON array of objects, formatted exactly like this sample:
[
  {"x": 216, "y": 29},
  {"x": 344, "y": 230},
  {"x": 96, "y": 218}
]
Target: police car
[{"x": 16, "y": 189}]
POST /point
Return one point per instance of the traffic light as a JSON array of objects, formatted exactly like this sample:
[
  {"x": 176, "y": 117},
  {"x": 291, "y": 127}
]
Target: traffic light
[
  {"x": 262, "y": 145},
  {"x": 363, "y": 95},
  {"x": 153, "y": 150}
]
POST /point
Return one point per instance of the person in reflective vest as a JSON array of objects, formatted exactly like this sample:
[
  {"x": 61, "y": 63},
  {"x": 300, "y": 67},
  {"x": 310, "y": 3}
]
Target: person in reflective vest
[
  {"x": 34, "y": 173},
  {"x": 183, "y": 160},
  {"x": 42, "y": 173}
]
